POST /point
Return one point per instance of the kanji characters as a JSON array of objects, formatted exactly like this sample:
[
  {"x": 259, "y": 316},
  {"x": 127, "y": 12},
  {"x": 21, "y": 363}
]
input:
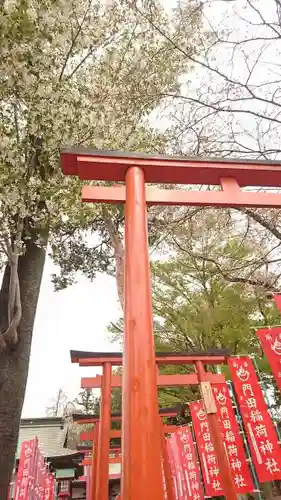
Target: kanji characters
[
  {"x": 239, "y": 481},
  {"x": 271, "y": 465},
  {"x": 209, "y": 447},
  {"x": 216, "y": 485},
  {"x": 211, "y": 459},
  {"x": 204, "y": 425},
  {"x": 192, "y": 476},
  {"x": 224, "y": 412},
  {"x": 266, "y": 446},
  {"x": 247, "y": 388},
  {"x": 226, "y": 424},
  {"x": 251, "y": 403},
  {"x": 214, "y": 471},
  {"x": 191, "y": 465},
  {"x": 206, "y": 436},
  {"x": 232, "y": 450},
  {"x": 236, "y": 464},
  {"x": 256, "y": 416},
  {"x": 229, "y": 436},
  {"x": 261, "y": 430}
]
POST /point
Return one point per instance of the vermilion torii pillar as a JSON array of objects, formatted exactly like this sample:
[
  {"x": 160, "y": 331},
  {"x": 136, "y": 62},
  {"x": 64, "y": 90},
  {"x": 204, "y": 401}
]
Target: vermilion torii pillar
[{"x": 142, "y": 457}]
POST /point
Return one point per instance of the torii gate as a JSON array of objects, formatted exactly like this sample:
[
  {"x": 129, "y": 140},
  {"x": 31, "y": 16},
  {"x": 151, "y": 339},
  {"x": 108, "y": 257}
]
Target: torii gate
[
  {"x": 141, "y": 464},
  {"x": 101, "y": 434}
]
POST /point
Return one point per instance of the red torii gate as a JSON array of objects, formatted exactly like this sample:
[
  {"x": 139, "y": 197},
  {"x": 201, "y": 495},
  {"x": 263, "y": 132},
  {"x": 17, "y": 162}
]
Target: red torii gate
[
  {"x": 102, "y": 434},
  {"x": 142, "y": 460}
]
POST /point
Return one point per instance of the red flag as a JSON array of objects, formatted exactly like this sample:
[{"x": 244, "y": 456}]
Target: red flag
[
  {"x": 270, "y": 339},
  {"x": 240, "y": 471},
  {"x": 259, "y": 428},
  {"x": 24, "y": 470},
  {"x": 190, "y": 466},
  {"x": 208, "y": 459},
  {"x": 173, "y": 467},
  {"x": 33, "y": 470},
  {"x": 181, "y": 484}
]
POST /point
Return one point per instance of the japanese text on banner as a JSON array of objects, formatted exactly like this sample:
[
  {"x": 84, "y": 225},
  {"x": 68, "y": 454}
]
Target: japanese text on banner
[
  {"x": 181, "y": 484},
  {"x": 173, "y": 467},
  {"x": 240, "y": 470},
  {"x": 190, "y": 466},
  {"x": 24, "y": 470},
  {"x": 259, "y": 428},
  {"x": 206, "y": 450}
]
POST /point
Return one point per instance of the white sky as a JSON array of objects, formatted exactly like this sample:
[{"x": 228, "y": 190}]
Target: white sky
[{"x": 75, "y": 318}]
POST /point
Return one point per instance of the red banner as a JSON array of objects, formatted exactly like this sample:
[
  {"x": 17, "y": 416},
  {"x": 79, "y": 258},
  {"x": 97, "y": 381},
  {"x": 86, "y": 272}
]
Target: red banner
[
  {"x": 24, "y": 471},
  {"x": 189, "y": 462},
  {"x": 173, "y": 466},
  {"x": 270, "y": 339},
  {"x": 181, "y": 485},
  {"x": 206, "y": 451},
  {"x": 259, "y": 428},
  {"x": 32, "y": 479},
  {"x": 49, "y": 487},
  {"x": 240, "y": 470}
]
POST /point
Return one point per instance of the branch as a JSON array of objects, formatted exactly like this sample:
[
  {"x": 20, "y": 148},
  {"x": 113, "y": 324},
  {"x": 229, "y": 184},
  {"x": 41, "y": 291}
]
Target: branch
[
  {"x": 14, "y": 312},
  {"x": 263, "y": 222}
]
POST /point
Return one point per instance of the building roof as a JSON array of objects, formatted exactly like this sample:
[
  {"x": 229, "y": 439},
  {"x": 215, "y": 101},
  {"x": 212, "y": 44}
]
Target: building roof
[{"x": 51, "y": 435}]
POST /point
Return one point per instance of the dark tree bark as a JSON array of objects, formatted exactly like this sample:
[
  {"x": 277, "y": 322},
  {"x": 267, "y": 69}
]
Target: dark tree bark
[{"x": 14, "y": 360}]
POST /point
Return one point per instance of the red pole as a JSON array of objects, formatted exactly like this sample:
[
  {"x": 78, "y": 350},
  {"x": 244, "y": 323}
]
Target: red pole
[
  {"x": 166, "y": 466},
  {"x": 210, "y": 407},
  {"x": 95, "y": 462},
  {"x": 104, "y": 439},
  {"x": 141, "y": 442}
]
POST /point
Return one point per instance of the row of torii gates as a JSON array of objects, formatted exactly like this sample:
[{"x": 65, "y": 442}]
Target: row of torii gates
[{"x": 142, "y": 433}]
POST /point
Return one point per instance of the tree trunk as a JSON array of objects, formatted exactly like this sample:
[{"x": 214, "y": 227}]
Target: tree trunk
[
  {"x": 119, "y": 254},
  {"x": 14, "y": 361}
]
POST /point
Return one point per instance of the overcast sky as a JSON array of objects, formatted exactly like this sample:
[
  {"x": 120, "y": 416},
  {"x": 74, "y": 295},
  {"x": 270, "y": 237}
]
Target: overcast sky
[{"x": 75, "y": 318}]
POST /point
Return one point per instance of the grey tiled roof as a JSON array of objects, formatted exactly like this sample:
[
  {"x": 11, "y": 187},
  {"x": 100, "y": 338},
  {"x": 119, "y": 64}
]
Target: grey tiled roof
[{"x": 50, "y": 433}]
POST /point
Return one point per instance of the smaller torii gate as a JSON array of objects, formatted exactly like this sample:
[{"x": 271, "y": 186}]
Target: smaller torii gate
[
  {"x": 117, "y": 417},
  {"x": 102, "y": 433}
]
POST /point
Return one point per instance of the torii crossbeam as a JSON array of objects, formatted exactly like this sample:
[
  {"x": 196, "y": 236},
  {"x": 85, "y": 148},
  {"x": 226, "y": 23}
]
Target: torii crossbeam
[{"x": 141, "y": 464}]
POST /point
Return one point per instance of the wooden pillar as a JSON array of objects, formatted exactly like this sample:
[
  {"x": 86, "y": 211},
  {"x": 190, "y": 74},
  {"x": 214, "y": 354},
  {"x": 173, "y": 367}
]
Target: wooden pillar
[
  {"x": 211, "y": 411},
  {"x": 104, "y": 435},
  {"x": 141, "y": 443}
]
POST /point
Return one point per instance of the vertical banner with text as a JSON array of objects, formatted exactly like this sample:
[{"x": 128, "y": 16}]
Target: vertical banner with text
[
  {"x": 270, "y": 340},
  {"x": 190, "y": 465},
  {"x": 181, "y": 483},
  {"x": 173, "y": 467},
  {"x": 259, "y": 428},
  {"x": 49, "y": 487},
  {"x": 208, "y": 459},
  {"x": 22, "y": 482},
  {"x": 239, "y": 467}
]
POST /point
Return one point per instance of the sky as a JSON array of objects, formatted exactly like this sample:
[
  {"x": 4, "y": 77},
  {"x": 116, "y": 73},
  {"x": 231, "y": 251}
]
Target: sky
[{"x": 75, "y": 318}]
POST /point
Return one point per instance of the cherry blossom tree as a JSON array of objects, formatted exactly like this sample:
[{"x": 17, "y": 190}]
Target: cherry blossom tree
[{"x": 83, "y": 73}]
